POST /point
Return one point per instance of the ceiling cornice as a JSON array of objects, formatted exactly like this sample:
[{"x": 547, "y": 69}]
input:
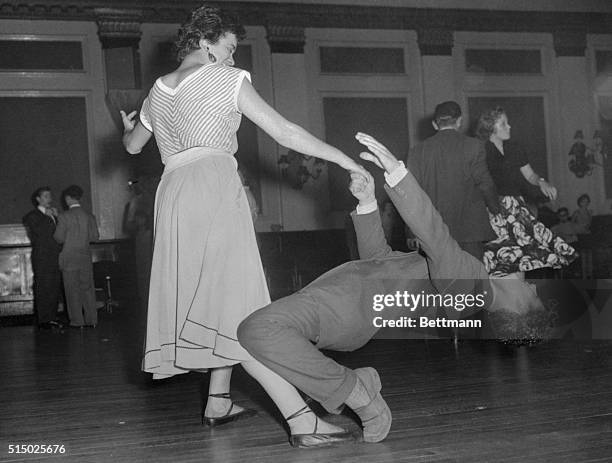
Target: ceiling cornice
[{"x": 321, "y": 16}]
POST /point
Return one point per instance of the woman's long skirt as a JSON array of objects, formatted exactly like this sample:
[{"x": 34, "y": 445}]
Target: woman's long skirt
[
  {"x": 206, "y": 274},
  {"x": 523, "y": 243}
]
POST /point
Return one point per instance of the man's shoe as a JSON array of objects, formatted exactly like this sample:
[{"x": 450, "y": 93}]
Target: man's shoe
[
  {"x": 368, "y": 404},
  {"x": 315, "y": 439}
]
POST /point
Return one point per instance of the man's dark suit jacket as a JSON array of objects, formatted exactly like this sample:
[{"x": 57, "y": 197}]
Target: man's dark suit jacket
[
  {"x": 452, "y": 170},
  {"x": 45, "y": 250}
]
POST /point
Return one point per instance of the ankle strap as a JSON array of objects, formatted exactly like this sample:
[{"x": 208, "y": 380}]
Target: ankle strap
[
  {"x": 221, "y": 395},
  {"x": 300, "y": 412}
]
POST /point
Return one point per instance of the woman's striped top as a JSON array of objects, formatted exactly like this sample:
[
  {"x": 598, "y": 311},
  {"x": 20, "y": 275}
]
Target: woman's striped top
[{"x": 201, "y": 111}]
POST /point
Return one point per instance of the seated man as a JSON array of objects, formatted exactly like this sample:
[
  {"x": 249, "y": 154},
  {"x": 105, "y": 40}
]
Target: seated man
[{"x": 336, "y": 312}]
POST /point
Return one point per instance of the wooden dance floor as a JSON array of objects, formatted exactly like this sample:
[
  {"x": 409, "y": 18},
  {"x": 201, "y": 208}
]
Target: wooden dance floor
[{"x": 466, "y": 402}]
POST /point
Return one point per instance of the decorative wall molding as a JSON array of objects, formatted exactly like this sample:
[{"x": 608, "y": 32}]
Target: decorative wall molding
[
  {"x": 322, "y": 16},
  {"x": 286, "y": 39},
  {"x": 118, "y": 27},
  {"x": 435, "y": 41}
]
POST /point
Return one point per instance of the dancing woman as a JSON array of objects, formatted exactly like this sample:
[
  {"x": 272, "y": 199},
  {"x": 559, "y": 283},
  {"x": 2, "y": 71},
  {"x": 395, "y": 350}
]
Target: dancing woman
[
  {"x": 207, "y": 274},
  {"x": 523, "y": 243}
]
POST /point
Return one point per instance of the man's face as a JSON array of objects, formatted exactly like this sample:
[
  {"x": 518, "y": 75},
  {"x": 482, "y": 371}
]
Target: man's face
[
  {"x": 45, "y": 199},
  {"x": 515, "y": 295},
  {"x": 517, "y": 313}
]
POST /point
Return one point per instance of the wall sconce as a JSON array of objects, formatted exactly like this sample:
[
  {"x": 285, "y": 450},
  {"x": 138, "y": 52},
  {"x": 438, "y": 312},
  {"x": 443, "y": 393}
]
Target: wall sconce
[
  {"x": 297, "y": 168},
  {"x": 582, "y": 156}
]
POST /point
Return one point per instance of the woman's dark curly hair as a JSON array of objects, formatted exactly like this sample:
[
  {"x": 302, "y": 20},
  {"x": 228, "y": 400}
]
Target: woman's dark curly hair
[
  {"x": 486, "y": 122},
  {"x": 208, "y": 23}
]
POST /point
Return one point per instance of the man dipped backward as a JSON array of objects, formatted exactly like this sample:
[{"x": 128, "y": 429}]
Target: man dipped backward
[{"x": 335, "y": 311}]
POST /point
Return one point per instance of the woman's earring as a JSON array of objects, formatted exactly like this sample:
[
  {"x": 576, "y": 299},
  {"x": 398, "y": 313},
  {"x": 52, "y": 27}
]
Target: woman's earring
[{"x": 212, "y": 58}]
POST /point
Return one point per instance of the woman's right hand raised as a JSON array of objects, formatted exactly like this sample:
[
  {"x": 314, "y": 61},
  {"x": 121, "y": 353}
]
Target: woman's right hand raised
[{"x": 128, "y": 120}]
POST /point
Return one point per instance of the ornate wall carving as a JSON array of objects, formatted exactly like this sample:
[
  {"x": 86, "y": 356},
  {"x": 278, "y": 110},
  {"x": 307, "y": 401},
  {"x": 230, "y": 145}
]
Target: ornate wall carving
[
  {"x": 118, "y": 27},
  {"x": 286, "y": 39}
]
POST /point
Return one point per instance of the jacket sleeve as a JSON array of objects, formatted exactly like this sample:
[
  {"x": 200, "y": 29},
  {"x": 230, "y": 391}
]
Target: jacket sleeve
[
  {"x": 371, "y": 241},
  {"x": 483, "y": 180},
  {"x": 60, "y": 231},
  {"x": 32, "y": 225}
]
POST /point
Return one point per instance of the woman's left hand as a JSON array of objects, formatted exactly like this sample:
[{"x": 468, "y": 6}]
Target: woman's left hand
[{"x": 548, "y": 190}]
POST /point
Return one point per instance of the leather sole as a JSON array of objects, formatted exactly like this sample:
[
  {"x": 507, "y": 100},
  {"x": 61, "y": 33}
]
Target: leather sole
[
  {"x": 324, "y": 439},
  {"x": 219, "y": 420}
]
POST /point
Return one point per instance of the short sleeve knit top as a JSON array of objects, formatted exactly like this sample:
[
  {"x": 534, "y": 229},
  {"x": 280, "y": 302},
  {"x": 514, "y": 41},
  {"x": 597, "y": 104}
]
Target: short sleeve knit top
[{"x": 201, "y": 111}]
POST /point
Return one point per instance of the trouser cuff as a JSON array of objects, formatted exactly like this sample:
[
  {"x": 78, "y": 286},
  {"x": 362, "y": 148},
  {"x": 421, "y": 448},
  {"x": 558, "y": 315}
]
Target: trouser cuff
[{"x": 340, "y": 395}]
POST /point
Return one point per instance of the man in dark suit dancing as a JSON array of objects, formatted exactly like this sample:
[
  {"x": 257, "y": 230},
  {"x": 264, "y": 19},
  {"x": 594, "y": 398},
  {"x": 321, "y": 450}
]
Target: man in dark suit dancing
[
  {"x": 452, "y": 170},
  {"x": 336, "y": 311},
  {"x": 76, "y": 228},
  {"x": 40, "y": 225}
]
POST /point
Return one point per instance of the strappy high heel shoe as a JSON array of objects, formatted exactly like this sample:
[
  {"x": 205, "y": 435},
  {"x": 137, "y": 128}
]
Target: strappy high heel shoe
[
  {"x": 315, "y": 439},
  {"x": 229, "y": 416}
]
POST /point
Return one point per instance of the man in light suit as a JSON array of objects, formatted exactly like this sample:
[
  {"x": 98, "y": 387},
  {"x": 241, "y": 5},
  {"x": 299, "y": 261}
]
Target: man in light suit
[
  {"x": 76, "y": 228},
  {"x": 336, "y": 310},
  {"x": 452, "y": 170},
  {"x": 40, "y": 225}
]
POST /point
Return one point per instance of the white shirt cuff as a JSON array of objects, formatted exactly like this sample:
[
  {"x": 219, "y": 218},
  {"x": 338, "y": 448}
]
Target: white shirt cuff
[
  {"x": 397, "y": 175},
  {"x": 366, "y": 208}
]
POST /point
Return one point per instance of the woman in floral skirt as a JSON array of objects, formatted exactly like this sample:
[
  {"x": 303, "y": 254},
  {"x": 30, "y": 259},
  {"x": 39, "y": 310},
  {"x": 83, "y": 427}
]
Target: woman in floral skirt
[{"x": 523, "y": 243}]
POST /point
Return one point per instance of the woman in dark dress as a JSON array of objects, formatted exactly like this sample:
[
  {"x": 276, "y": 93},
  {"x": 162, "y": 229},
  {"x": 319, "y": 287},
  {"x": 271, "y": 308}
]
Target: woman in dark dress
[{"x": 523, "y": 243}]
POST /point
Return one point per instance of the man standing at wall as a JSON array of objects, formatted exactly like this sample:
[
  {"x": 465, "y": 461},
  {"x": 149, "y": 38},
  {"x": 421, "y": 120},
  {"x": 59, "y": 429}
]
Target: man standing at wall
[
  {"x": 40, "y": 224},
  {"x": 452, "y": 170},
  {"x": 75, "y": 229}
]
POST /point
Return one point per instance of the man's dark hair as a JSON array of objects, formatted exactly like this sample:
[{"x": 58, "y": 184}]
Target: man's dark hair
[
  {"x": 74, "y": 191},
  {"x": 37, "y": 193},
  {"x": 447, "y": 113}
]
